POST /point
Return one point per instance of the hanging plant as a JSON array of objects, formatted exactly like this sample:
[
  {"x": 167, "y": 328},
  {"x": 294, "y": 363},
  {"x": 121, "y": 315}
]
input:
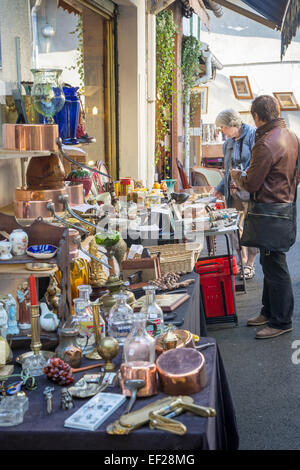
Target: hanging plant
[
  {"x": 191, "y": 52},
  {"x": 165, "y": 75}
]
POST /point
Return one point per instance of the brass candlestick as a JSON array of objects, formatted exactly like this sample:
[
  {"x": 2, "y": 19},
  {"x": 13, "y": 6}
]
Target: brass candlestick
[
  {"x": 35, "y": 344},
  {"x": 97, "y": 333},
  {"x": 35, "y": 363}
]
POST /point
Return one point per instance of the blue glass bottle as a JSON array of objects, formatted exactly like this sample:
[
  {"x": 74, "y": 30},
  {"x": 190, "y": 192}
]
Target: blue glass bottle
[{"x": 67, "y": 118}]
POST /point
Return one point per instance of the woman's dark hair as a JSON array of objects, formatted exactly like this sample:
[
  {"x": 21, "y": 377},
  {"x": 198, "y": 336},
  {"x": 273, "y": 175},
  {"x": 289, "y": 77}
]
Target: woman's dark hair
[{"x": 266, "y": 107}]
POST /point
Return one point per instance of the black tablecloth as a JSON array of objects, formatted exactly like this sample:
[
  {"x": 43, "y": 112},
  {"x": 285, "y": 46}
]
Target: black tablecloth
[{"x": 40, "y": 431}]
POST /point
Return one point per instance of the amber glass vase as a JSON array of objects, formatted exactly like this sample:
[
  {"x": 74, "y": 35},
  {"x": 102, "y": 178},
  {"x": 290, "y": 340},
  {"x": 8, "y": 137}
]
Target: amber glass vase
[{"x": 79, "y": 275}]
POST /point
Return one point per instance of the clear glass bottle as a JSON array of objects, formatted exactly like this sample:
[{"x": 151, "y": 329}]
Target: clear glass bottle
[
  {"x": 120, "y": 319},
  {"x": 152, "y": 311},
  {"x": 83, "y": 321},
  {"x": 139, "y": 345}
]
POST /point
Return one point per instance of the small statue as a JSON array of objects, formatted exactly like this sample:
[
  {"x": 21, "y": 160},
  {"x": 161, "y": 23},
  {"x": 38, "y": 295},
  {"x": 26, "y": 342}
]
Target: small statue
[
  {"x": 52, "y": 295},
  {"x": 48, "y": 320},
  {"x": 97, "y": 275},
  {"x": 3, "y": 321},
  {"x": 24, "y": 311},
  {"x": 11, "y": 309},
  {"x": 66, "y": 399}
]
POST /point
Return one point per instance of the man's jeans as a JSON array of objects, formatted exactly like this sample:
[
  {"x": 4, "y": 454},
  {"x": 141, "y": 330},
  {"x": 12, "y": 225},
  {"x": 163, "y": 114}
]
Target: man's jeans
[{"x": 278, "y": 298}]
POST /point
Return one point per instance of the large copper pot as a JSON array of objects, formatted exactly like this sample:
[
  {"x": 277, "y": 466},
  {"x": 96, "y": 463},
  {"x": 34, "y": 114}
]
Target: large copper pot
[{"x": 181, "y": 371}]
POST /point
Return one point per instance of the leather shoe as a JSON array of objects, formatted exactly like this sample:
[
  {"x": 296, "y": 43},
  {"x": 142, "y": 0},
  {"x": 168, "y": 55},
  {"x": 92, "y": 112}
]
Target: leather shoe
[
  {"x": 269, "y": 332},
  {"x": 257, "y": 321}
]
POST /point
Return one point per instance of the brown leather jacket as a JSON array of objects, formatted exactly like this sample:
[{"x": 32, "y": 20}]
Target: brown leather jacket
[{"x": 271, "y": 174}]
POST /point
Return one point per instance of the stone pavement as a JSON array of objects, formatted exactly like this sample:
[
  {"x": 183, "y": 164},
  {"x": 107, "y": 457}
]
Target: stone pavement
[{"x": 264, "y": 382}]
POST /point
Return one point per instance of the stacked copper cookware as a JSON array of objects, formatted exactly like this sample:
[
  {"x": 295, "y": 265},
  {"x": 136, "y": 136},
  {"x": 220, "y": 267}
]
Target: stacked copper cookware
[{"x": 45, "y": 175}]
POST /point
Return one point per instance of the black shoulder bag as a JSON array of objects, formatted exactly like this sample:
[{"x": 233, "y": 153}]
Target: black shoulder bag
[{"x": 271, "y": 226}]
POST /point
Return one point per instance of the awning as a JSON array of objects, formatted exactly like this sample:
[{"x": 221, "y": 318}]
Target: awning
[
  {"x": 273, "y": 10},
  {"x": 283, "y": 15},
  {"x": 290, "y": 24}
]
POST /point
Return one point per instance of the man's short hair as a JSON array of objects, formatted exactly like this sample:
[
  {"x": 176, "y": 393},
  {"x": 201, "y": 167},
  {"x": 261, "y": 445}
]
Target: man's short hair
[{"x": 266, "y": 107}]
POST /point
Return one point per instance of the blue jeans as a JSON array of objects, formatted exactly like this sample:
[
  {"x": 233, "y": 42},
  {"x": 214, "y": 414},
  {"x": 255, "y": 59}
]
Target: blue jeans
[{"x": 277, "y": 298}]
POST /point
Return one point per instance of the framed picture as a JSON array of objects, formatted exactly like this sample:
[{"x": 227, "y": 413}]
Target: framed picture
[
  {"x": 247, "y": 117},
  {"x": 241, "y": 88},
  {"x": 287, "y": 101},
  {"x": 202, "y": 91}
]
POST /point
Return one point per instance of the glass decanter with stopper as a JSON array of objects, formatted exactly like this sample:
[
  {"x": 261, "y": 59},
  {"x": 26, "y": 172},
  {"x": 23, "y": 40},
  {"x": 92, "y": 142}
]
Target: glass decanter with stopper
[
  {"x": 139, "y": 345},
  {"x": 152, "y": 311},
  {"x": 120, "y": 319},
  {"x": 83, "y": 318}
]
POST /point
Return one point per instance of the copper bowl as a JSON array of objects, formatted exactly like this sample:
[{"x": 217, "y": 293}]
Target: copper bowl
[
  {"x": 139, "y": 370},
  {"x": 185, "y": 340},
  {"x": 181, "y": 371}
]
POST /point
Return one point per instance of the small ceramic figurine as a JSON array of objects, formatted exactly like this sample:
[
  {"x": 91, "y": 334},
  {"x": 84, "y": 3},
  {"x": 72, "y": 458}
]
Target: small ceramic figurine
[
  {"x": 52, "y": 294},
  {"x": 97, "y": 275},
  {"x": 3, "y": 321},
  {"x": 24, "y": 312},
  {"x": 11, "y": 309},
  {"x": 66, "y": 399},
  {"x": 48, "y": 320}
]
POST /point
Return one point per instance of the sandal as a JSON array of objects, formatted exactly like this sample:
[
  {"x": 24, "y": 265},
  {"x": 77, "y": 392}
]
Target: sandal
[{"x": 249, "y": 273}]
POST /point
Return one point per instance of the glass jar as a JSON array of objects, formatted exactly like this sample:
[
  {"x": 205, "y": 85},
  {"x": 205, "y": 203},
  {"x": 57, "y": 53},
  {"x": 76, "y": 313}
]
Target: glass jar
[
  {"x": 120, "y": 319},
  {"x": 47, "y": 94},
  {"x": 152, "y": 311},
  {"x": 83, "y": 318},
  {"x": 139, "y": 345}
]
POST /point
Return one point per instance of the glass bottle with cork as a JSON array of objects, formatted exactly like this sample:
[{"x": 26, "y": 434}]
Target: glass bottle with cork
[{"x": 152, "y": 311}]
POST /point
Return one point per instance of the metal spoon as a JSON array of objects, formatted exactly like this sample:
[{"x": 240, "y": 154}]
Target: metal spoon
[{"x": 133, "y": 385}]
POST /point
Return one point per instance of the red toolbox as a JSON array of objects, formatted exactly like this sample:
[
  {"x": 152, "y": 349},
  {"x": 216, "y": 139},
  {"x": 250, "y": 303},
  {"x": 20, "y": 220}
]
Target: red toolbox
[{"x": 218, "y": 287}]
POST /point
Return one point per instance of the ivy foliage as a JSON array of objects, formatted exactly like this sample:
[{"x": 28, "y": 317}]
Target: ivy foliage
[
  {"x": 165, "y": 78},
  {"x": 191, "y": 52}
]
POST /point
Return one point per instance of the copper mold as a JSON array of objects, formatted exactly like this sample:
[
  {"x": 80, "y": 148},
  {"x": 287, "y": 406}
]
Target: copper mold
[
  {"x": 139, "y": 370},
  {"x": 181, "y": 371},
  {"x": 27, "y": 137}
]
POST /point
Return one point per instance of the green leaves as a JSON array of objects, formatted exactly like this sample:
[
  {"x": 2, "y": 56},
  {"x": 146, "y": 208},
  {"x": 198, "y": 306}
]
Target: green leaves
[{"x": 191, "y": 52}]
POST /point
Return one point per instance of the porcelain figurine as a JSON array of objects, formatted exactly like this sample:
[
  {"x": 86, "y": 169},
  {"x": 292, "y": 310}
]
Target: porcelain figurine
[
  {"x": 19, "y": 241},
  {"x": 48, "y": 320},
  {"x": 24, "y": 311},
  {"x": 3, "y": 321},
  {"x": 11, "y": 309}
]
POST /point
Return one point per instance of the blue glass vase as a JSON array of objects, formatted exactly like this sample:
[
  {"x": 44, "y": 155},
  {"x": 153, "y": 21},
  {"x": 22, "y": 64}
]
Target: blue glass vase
[{"x": 67, "y": 118}]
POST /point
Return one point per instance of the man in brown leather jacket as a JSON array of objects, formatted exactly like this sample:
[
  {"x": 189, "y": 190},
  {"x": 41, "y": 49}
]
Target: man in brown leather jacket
[{"x": 270, "y": 178}]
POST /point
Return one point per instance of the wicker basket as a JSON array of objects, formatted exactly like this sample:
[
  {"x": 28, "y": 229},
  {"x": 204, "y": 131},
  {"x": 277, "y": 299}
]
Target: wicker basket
[{"x": 177, "y": 257}]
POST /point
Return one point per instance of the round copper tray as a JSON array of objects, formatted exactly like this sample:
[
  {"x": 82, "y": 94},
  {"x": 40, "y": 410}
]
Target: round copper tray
[{"x": 185, "y": 339}]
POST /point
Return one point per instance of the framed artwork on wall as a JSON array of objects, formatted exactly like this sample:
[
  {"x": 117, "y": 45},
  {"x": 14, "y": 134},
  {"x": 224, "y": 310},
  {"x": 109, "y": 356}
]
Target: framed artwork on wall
[
  {"x": 202, "y": 91},
  {"x": 287, "y": 101},
  {"x": 247, "y": 117},
  {"x": 241, "y": 87}
]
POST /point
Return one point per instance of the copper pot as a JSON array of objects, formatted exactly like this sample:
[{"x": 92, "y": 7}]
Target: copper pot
[
  {"x": 41, "y": 195},
  {"x": 139, "y": 370},
  {"x": 31, "y": 209},
  {"x": 30, "y": 136},
  {"x": 76, "y": 194},
  {"x": 181, "y": 371}
]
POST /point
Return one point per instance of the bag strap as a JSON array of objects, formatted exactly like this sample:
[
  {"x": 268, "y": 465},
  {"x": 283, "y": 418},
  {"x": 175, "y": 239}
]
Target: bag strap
[{"x": 297, "y": 169}]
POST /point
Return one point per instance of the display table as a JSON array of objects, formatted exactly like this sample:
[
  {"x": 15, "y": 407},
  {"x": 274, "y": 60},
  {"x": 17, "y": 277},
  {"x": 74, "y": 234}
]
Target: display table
[{"x": 41, "y": 431}]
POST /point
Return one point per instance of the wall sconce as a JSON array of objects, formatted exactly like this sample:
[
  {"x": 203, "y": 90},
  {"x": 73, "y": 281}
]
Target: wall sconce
[{"x": 95, "y": 111}]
